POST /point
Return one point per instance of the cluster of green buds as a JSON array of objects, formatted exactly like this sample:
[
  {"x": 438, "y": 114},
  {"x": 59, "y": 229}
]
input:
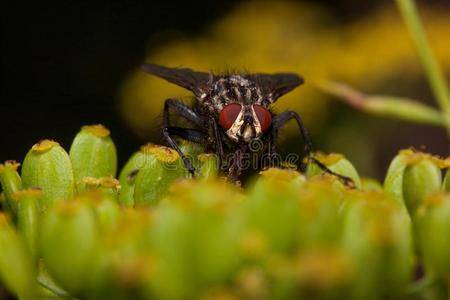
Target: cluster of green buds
[{"x": 69, "y": 229}]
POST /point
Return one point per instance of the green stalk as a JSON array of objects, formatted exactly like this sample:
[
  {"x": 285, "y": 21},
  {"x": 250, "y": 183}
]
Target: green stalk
[
  {"x": 434, "y": 73},
  {"x": 28, "y": 217},
  {"x": 399, "y": 108},
  {"x": 10, "y": 182},
  {"x": 17, "y": 270}
]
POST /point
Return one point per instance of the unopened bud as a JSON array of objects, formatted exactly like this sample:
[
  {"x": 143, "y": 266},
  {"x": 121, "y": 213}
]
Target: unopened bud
[
  {"x": 105, "y": 207},
  {"x": 129, "y": 172},
  {"x": 93, "y": 153},
  {"x": 433, "y": 225},
  {"x": 371, "y": 185},
  {"x": 68, "y": 244},
  {"x": 412, "y": 176},
  {"x": 11, "y": 183},
  {"x": 48, "y": 167},
  {"x": 336, "y": 163},
  {"x": 17, "y": 270},
  {"x": 377, "y": 238},
  {"x": 154, "y": 179},
  {"x": 28, "y": 216},
  {"x": 108, "y": 186},
  {"x": 422, "y": 177},
  {"x": 274, "y": 194},
  {"x": 446, "y": 183}
]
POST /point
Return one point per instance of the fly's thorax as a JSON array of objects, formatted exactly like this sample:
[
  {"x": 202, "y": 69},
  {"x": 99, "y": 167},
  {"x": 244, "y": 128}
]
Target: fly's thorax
[{"x": 234, "y": 88}]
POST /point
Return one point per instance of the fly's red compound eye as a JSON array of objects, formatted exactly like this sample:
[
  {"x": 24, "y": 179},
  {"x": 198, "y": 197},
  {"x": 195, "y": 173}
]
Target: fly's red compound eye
[
  {"x": 229, "y": 114},
  {"x": 264, "y": 117}
]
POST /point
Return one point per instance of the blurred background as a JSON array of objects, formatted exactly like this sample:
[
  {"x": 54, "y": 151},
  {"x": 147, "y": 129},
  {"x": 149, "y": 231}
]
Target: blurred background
[{"x": 70, "y": 63}]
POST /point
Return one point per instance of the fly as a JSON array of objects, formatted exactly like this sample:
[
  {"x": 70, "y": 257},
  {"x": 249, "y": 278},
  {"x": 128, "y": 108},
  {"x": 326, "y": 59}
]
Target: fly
[{"x": 229, "y": 113}]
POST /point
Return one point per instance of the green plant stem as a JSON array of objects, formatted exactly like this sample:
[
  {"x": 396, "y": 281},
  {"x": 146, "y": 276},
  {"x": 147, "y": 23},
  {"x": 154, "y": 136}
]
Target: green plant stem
[
  {"x": 434, "y": 73},
  {"x": 386, "y": 106}
]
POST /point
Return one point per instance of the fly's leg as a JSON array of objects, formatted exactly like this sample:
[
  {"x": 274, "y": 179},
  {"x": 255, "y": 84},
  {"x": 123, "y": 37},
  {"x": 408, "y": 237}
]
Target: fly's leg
[
  {"x": 281, "y": 119},
  {"x": 192, "y": 135},
  {"x": 186, "y": 112},
  {"x": 217, "y": 135}
]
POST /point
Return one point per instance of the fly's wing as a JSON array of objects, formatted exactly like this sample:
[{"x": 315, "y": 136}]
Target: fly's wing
[
  {"x": 278, "y": 84},
  {"x": 186, "y": 78}
]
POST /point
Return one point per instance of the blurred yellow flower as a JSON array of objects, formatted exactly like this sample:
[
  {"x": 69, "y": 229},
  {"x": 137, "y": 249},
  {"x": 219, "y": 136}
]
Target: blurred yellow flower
[{"x": 271, "y": 36}]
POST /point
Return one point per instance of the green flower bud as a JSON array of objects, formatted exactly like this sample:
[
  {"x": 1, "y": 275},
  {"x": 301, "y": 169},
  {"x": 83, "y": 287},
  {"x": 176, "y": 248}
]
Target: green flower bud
[
  {"x": 121, "y": 264},
  {"x": 377, "y": 238},
  {"x": 17, "y": 270},
  {"x": 68, "y": 244},
  {"x": 129, "y": 172},
  {"x": 11, "y": 183},
  {"x": 105, "y": 207},
  {"x": 274, "y": 176},
  {"x": 48, "y": 167},
  {"x": 108, "y": 186},
  {"x": 320, "y": 224},
  {"x": 28, "y": 217},
  {"x": 93, "y": 153},
  {"x": 154, "y": 179},
  {"x": 272, "y": 209},
  {"x": 393, "y": 182},
  {"x": 422, "y": 177},
  {"x": 446, "y": 183},
  {"x": 204, "y": 226},
  {"x": 323, "y": 272},
  {"x": 412, "y": 176},
  {"x": 371, "y": 185},
  {"x": 433, "y": 227},
  {"x": 108, "y": 213},
  {"x": 336, "y": 163}
]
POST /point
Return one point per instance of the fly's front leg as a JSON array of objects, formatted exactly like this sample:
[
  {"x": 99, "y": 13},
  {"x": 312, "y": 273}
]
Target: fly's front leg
[
  {"x": 182, "y": 110},
  {"x": 189, "y": 134},
  {"x": 217, "y": 135},
  {"x": 281, "y": 119},
  {"x": 190, "y": 115}
]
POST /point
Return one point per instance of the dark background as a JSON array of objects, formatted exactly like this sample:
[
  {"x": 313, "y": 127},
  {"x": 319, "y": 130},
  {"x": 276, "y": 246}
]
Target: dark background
[{"x": 63, "y": 61}]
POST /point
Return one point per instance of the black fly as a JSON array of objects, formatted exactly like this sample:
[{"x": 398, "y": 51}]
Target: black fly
[{"x": 230, "y": 112}]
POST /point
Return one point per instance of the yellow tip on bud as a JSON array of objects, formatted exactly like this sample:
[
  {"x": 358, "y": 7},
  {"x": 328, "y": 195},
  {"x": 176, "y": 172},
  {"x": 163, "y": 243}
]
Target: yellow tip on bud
[
  {"x": 98, "y": 130},
  {"x": 14, "y": 165},
  {"x": 44, "y": 145},
  {"x": 161, "y": 153}
]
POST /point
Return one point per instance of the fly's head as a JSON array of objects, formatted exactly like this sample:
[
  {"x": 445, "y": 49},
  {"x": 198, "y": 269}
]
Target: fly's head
[
  {"x": 239, "y": 103},
  {"x": 240, "y": 107}
]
